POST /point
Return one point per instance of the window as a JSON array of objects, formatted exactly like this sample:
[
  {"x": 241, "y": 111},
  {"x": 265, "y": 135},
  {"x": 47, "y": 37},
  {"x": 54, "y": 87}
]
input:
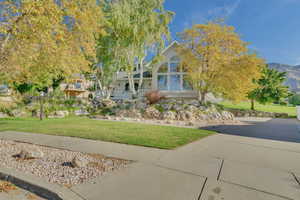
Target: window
[
  {"x": 171, "y": 76},
  {"x": 162, "y": 82},
  {"x": 175, "y": 82},
  {"x": 174, "y": 67},
  {"x": 78, "y": 85}
]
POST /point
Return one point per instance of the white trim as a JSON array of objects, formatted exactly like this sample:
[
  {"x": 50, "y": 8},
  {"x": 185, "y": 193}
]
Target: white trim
[{"x": 171, "y": 45}]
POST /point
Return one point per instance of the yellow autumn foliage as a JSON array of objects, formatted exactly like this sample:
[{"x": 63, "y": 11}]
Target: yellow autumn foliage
[
  {"x": 218, "y": 61},
  {"x": 47, "y": 39}
]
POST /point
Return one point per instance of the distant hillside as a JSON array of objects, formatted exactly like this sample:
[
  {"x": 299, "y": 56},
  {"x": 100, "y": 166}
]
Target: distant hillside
[{"x": 293, "y": 74}]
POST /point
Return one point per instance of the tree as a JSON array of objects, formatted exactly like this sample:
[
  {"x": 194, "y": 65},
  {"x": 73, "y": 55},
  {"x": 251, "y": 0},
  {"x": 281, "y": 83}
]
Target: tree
[
  {"x": 134, "y": 27},
  {"x": 47, "y": 39},
  {"x": 218, "y": 61},
  {"x": 269, "y": 88}
]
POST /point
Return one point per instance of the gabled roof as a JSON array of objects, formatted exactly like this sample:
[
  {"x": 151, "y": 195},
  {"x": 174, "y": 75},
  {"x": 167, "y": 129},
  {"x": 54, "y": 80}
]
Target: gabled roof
[{"x": 175, "y": 42}]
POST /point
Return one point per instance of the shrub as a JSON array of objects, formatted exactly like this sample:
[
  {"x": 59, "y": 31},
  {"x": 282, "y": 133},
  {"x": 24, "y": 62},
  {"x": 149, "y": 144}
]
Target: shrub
[
  {"x": 295, "y": 99},
  {"x": 159, "y": 108},
  {"x": 154, "y": 97}
]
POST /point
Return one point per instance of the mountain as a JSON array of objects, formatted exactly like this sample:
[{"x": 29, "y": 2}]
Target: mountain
[{"x": 293, "y": 75}]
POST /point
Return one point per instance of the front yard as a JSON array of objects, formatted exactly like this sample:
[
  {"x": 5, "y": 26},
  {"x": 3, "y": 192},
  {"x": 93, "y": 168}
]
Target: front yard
[{"x": 164, "y": 137}]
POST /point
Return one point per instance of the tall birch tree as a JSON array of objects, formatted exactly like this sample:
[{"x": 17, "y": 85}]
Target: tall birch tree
[{"x": 137, "y": 26}]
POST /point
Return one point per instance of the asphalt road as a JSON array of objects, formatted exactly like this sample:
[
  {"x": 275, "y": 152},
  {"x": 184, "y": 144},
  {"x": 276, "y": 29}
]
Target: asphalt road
[{"x": 275, "y": 129}]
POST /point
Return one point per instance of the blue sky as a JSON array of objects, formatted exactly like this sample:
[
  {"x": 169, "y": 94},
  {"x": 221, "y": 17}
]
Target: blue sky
[{"x": 271, "y": 26}]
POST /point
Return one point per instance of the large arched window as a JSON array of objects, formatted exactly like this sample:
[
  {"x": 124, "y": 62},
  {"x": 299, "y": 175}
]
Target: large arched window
[{"x": 171, "y": 76}]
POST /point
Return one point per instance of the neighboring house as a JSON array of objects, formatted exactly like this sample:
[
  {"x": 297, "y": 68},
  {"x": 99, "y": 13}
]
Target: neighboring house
[
  {"x": 167, "y": 76},
  {"x": 78, "y": 87}
]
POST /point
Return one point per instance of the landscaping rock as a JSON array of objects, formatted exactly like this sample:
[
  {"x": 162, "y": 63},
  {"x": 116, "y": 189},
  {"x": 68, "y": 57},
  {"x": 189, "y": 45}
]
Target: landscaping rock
[
  {"x": 24, "y": 154},
  {"x": 141, "y": 105},
  {"x": 19, "y": 113},
  {"x": 168, "y": 115},
  {"x": 170, "y": 110},
  {"x": 56, "y": 165},
  {"x": 61, "y": 114},
  {"x": 255, "y": 113},
  {"x": 3, "y": 115},
  {"x": 151, "y": 113},
  {"x": 108, "y": 103},
  {"x": 79, "y": 162}
]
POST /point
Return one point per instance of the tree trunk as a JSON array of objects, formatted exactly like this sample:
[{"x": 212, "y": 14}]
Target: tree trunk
[
  {"x": 41, "y": 108},
  {"x": 131, "y": 85},
  {"x": 202, "y": 97},
  {"x": 108, "y": 93},
  {"x": 101, "y": 88},
  {"x": 252, "y": 104},
  {"x": 141, "y": 74}
]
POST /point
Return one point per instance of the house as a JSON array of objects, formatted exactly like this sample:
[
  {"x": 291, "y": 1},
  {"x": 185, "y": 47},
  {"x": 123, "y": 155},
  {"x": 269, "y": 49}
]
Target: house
[
  {"x": 167, "y": 76},
  {"x": 77, "y": 87}
]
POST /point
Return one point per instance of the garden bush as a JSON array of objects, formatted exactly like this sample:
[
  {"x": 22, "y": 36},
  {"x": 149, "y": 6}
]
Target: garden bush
[
  {"x": 295, "y": 100},
  {"x": 154, "y": 97}
]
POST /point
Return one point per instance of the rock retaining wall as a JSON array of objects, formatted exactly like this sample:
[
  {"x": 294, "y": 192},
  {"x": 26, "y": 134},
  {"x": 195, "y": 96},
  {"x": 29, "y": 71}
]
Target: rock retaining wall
[
  {"x": 254, "y": 113},
  {"x": 170, "y": 110}
]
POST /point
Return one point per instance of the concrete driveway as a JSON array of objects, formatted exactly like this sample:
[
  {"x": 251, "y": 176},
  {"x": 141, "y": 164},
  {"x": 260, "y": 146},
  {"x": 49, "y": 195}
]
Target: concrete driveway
[
  {"x": 219, "y": 167},
  {"x": 274, "y": 129}
]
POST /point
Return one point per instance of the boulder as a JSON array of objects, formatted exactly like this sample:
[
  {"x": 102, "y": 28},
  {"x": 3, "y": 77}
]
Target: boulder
[
  {"x": 108, "y": 103},
  {"x": 3, "y": 115},
  {"x": 192, "y": 108},
  {"x": 177, "y": 107},
  {"x": 141, "y": 105},
  {"x": 168, "y": 115},
  {"x": 24, "y": 154},
  {"x": 227, "y": 115},
  {"x": 19, "y": 113},
  {"x": 79, "y": 162},
  {"x": 61, "y": 114},
  {"x": 151, "y": 113},
  {"x": 185, "y": 115}
]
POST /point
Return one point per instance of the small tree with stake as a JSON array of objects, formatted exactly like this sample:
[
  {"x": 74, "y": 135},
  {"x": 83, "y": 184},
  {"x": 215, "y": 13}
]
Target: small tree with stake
[{"x": 270, "y": 88}]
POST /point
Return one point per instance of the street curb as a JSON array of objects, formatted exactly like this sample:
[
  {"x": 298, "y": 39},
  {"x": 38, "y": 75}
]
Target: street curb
[{"x": 37, "y": 185}]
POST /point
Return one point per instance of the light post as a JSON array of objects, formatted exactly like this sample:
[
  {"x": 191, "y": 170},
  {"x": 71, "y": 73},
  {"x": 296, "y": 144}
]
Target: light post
[{"x": 42, "y": 94}]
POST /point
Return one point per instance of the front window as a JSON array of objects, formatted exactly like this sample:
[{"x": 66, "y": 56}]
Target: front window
[
  {"x": 175, "y": 82},
  {"x": 174, "y": 67},
  {"x": 171, "y": 76},
  {"x": 162, "y": 82}
]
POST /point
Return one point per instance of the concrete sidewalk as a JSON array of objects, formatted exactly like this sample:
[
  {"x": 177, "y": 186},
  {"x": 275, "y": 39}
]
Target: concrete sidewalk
[{"x": 214, "y": 168}]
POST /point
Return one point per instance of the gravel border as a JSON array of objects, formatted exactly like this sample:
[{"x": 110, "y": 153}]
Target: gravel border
[{"x": 55, "y": 165}]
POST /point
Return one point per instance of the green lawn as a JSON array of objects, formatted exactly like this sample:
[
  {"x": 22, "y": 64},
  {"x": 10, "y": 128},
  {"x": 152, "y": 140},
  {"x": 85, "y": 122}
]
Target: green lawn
[
  {"x": 267, "y": 108},
  {"x": 164, "y": 137}
]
